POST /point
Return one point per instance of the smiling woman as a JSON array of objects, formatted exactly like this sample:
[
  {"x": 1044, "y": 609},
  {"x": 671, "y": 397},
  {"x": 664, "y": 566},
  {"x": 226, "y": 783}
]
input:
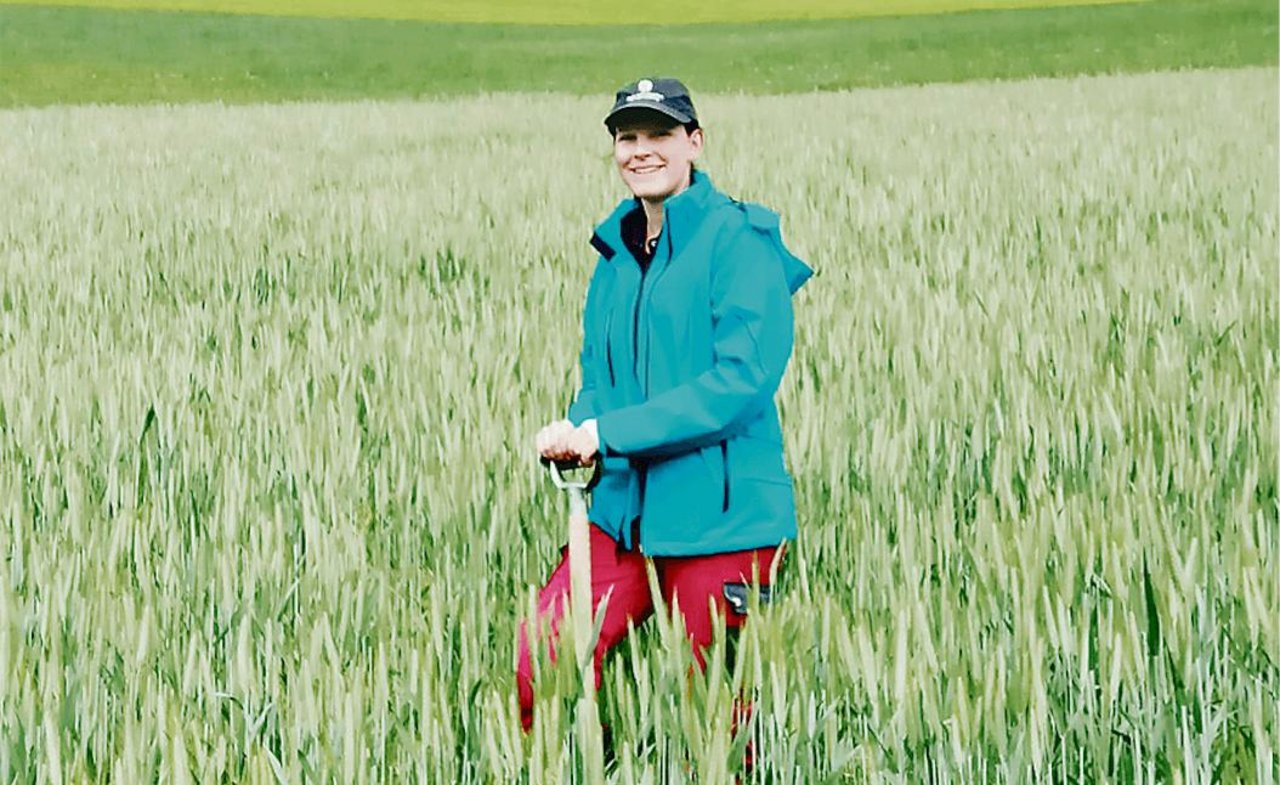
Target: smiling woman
[{"x": 687, "y": 331}]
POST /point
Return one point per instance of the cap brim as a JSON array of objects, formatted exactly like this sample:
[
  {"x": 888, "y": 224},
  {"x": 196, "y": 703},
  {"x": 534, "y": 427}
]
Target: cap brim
[{"x": 645, "y": 107}]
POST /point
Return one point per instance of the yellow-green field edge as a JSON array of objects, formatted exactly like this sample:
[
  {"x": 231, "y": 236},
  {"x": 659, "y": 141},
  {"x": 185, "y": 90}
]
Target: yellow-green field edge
[
  {"x": 75, "y": 55},
  {"x": 574, "y": 12}
]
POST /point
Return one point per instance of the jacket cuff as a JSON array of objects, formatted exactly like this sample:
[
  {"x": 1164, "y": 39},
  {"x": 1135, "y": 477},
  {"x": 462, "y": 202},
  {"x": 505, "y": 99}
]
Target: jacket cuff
[{"x": 603, "y": 427}]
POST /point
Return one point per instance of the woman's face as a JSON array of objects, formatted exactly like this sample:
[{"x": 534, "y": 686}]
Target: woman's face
[{"x": 654, "y": 156}]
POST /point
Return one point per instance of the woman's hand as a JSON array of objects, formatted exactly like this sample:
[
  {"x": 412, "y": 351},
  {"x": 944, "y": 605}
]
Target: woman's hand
[
  {"x": 584, "y": 442},
  {"x": 561, "y": 441},
  {"x": 553, "y": 441}
]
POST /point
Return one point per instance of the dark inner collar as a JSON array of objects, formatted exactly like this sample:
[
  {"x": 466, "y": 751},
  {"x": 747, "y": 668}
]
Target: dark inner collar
[{"x": 635, "y": 227}]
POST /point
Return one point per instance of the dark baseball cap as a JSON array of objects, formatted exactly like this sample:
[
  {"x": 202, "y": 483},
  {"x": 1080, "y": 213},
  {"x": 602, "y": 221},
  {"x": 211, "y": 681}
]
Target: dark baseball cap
[{"x": 665, "y": 96}]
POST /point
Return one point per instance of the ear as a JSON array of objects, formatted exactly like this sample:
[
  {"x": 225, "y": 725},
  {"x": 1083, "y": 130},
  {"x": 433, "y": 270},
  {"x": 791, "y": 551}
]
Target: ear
[{"x": 695, "y": 139}]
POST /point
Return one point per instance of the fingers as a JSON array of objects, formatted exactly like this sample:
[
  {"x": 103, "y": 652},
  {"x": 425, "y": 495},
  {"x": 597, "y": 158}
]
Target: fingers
[
  {"x": 584, "y": 442},
  {"x": 553, "y": 441},
  {"x": 562, "y": 441},
  {"x": 578, "y": 449}
]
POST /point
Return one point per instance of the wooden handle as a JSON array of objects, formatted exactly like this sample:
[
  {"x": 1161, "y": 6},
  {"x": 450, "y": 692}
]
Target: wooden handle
[
  {"x": 580, "y": 580},
  {"x": 588, "y": 720}
]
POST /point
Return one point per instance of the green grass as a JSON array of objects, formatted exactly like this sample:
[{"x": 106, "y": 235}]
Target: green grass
[
  {"x": 270, "y": 375},
  {"x": 73, "y": 55},
  {"x": 571, "y": 12}
]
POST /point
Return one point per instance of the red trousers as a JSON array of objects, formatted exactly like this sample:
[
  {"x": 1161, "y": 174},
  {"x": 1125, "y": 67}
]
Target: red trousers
[{"x": 695, "y": 580}]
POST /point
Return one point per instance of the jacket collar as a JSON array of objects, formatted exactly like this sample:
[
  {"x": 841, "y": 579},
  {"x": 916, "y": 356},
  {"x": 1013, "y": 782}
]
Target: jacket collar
[{"x": 682, "y": 215}]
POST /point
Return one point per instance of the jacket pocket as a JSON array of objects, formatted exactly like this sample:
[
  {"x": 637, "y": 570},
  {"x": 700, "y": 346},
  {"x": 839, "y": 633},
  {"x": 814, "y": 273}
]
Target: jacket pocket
[
  {"x": 608, "y": 348},
  {"x": 757, "y": 458},
  {"x": 724, "y": 460},
  {"x": 684, "y": 492},
  {"x": 758, "y": 488}
]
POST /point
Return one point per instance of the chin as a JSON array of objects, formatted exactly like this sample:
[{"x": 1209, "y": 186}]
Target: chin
[{"x": 653, "y": 191}]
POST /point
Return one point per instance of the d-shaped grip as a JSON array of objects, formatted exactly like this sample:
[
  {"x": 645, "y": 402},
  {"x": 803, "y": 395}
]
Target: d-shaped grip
[{"x": 558, "y": 469}]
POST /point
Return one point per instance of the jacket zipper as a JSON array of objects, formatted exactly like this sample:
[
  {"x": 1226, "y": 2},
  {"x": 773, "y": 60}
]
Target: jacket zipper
[
  {"x": 645, "y": 278},
  {"x": 652, "y": 281},
  {"x": 643, "y": 471},
  {"x": 635, "y": 328}
]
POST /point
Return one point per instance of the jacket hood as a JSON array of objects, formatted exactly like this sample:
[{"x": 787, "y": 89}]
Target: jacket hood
[
  {"x": 766, "y": 222},
  {"x": 798, "y": 273}
]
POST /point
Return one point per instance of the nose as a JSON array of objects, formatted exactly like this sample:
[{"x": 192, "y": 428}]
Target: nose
[{"x": 642, "y": 148}]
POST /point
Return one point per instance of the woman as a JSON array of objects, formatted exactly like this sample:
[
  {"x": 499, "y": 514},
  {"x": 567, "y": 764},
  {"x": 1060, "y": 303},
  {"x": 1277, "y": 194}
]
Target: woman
[{"x": 686, "y": 333}]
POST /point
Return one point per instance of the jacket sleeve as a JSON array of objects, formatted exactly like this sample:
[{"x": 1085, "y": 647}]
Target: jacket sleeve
[
  {"x": 753, "y": 333},
  {"x": 584, "y": 403}
]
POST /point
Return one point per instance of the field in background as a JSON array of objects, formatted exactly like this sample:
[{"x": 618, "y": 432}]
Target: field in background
[
  {"x": 569, "y": 12},
  {"x": 269, "y": 378},
  {"x": 54, "y": 55}
]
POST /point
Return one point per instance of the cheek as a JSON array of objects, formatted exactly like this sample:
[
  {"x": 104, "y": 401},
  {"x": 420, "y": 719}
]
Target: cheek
[{"x": 676, "y": 154}]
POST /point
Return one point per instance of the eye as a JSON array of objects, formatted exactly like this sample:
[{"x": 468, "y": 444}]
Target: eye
[{"x": 626, "y": 136}]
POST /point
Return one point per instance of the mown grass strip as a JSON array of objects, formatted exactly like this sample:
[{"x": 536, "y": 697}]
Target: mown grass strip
[
  {"x": 570, "y": 12},
  {"x": 79, "y": 55}
]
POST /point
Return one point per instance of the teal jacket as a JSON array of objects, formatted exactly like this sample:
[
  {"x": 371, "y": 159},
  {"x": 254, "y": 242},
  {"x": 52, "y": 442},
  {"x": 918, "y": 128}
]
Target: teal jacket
[{"x": 679, "y": 369}]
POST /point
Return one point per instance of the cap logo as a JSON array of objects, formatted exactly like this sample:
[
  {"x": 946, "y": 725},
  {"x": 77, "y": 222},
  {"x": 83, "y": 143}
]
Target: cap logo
[{"x": 645, "y": 92}]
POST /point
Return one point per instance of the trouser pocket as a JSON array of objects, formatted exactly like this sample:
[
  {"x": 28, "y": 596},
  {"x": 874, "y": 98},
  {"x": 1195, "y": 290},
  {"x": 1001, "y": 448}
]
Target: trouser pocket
[{"x": 738, "y": 595}]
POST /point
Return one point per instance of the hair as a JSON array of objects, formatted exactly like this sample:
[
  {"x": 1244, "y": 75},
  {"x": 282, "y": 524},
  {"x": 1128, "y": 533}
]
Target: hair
[{"x": 689, "y": 127}]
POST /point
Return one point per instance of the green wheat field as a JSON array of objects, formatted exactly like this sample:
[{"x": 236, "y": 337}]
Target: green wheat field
[{"x": 270, "y": 376}]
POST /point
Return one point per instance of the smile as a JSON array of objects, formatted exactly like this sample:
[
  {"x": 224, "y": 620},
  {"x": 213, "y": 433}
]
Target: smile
[{"x": 647, "y": 169}]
